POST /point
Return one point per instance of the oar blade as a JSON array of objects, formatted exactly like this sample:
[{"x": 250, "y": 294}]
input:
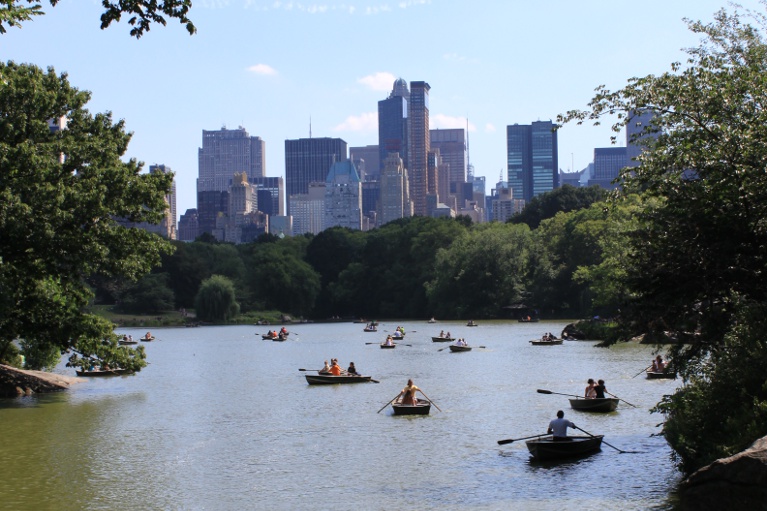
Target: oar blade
[{"x": 542, "y": 391}]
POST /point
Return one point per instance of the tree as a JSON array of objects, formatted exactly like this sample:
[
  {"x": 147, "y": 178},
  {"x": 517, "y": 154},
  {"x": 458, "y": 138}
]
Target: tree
[
  {"x": 698, "y": 250},
  {"x": 149, "y": 295},
  {"x": 60, "y": 192},
  {"x": 481, "y": 272},
  {"x": 13, "y": 13},
  {"x": 215, "y": 300},
  {"x": 562, "y": 200}
]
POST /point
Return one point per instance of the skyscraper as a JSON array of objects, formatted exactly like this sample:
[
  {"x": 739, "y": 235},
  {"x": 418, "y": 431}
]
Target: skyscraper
[
  {"x": 343, "y": 197},
  {"x": 308, "y": 160},
  {"x": 395, "y": 201},
  {"x": 419, "y": 145},
  {"x": 532, "y": 159},
  {"x": 225, "y": 152},
  {"x": 608, "y": 162},
  {"x": 453, "y": 149},
  {"x": 392, "y": 123}
]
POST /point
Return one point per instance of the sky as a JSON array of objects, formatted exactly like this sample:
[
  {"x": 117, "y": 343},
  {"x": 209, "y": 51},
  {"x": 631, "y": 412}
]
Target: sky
[{"x": 279, "y": 68}]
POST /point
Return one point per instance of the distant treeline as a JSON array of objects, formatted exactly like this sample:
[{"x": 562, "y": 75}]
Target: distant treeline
[{"x": 411, "y": 268}]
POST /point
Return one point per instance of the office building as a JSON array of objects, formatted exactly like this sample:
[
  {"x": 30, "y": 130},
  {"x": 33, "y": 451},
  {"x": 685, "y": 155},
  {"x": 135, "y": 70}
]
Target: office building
[
  {"x": 394, "y": 202},
  {"x": 225, "y": 152},
  {"x": 452, "y": 147},
  {"x": 419, "y": 145},
  {"x": 393, "y": 124},
  {"x": 188, "y": 225},
  {"x": 366, "y": 161},
  {"x": 308, "y": 160},
  {"x": 308, "y": 209},
  {"x": 343, "y": 197},
  {"x": 532, "y": 159},
  {"x": 608, "y": 162},
  {"x": 270, "y": 195}
]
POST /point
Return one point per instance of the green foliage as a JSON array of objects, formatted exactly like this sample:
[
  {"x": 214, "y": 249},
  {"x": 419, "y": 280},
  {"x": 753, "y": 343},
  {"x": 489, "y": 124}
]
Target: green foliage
[
  {"x": 141, "y": 13},
  {"x": 59, "y": 195},
  {"x": 149, "y": 295},
  {"x": 101, "y": 353},
  {"x": 723, "y": 409},
  {"x": 482, "y": 271},
  {"x": 39, "y": 355},
  {"x": 562, "y": 200},
  {"x": 279, "y": 279},
  {"x": 215, "y": 301},
  {"x": 696, "y": 252}
]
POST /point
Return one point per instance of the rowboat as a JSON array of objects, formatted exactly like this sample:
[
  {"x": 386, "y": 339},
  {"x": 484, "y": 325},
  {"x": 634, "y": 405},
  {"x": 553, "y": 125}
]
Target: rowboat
[
  {"x": 270, "y": 337},
  {"x": 541, "y": 342},
  {"x": 600, "y": 404},
  {"x": 100, "y": 372},
  {"x": 370, "y": 329},
  {"x": 544, "y": 449},
  {"x": 443, "y": 339},
  {"x": 147, "y": 339},
  {"x": 471, "y": 323},
  {"x": 388, "y": 346},
  {"x": 329, "y": 379},
  {"x": 456, "y": 349},
  {"x": 421, "y": 407},
  {"x": 127, "y": 343},
  {"x": 652, "y": 375}
]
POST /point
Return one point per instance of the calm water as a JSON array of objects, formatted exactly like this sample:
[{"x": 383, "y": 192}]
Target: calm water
[{"x": 221, "y": 420}]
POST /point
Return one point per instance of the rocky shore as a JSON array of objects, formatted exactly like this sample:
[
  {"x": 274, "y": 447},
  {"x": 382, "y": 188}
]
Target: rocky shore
[
  {"x": 18, "y": 382},
  {"x": 737, "y": 482}
]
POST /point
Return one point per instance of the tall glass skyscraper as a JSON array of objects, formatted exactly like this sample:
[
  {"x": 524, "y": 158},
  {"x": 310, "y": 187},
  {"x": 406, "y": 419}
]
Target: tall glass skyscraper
[
  {"x": 419, "y": 145},
  {"x": 533, "y": 163},
  {"x": 392, "y": 123},
  {"x": 308, "y": 160}
]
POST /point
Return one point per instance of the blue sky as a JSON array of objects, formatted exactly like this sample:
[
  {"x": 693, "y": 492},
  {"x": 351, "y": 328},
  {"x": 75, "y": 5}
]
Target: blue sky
[{"x": 271, "y": 66}]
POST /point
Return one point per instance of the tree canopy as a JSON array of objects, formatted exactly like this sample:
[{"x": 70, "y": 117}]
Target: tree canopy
[
  {"x": 697, "y": 250},
  {"x": 60, "y": 193},
  {"x": 141, "y": 13}
]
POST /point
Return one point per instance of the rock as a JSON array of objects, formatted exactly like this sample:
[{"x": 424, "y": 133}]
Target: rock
[
  {"x": 18, "y": 382},
  {"x": 572, "y": 332},
  {"x": 737, "y": 482}
]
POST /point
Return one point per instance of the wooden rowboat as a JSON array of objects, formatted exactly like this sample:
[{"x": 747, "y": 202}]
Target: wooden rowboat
[
  {"x": 541, "y": 342},
  {"x": 99, "y": 372},
  {"x": 602, "y": 404},
  {"x": 421, "y": 407},
  {"x": 279, "y": 338},
  {"x": 147, "y": 339},
  {"x": 127, "y": 343},
  {"x": 545, "y": 449},
  {"x": 388, "y": 346},
  {"x": 457, "y": 349},
  {"x": 443, "y": 339},
  {"x": 370, "y": 329},
  {"x": 653, "y": 375},
  {"x": 329, "y": 379}
]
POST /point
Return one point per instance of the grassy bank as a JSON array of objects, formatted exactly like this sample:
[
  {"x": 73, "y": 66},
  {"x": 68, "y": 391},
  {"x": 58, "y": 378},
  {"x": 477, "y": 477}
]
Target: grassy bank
[{"x": 176, "y": 318}]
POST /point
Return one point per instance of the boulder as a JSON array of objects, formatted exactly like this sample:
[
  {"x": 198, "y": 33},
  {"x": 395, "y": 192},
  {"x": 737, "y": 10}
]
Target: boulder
[
  {"x": 737, "y": 482},
  {"x": 18, "y": 382}
]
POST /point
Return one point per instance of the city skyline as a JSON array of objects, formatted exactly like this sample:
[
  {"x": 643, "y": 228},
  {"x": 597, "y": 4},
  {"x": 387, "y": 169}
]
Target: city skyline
[{"x": 285, "y": 70}]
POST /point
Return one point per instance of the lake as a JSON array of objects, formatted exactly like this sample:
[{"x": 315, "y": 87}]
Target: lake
[{"x": 222, "y": 420}]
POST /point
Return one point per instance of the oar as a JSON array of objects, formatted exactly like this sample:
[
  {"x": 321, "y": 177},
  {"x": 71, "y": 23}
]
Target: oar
[
  {"x": 510, "y": 440},
  {"x": 427, "y": 397},
  {"x": 308, "y": 369},
  {"x": 390, "y": 402},
  {"x": 642, "y": 371},
  {"x": 541, "y": 391},
  {"x": 402, "y": 344},
  {"x": 376, "y": 381},
  {"x": 603, "y": 441},
  {"x": 619, "y": 399}
]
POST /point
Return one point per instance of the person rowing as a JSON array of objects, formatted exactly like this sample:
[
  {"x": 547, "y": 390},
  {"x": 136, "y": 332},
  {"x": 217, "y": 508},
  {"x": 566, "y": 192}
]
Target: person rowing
[
  {"x": 558, "y": 427},
  {"x": 407, "y": 396}
]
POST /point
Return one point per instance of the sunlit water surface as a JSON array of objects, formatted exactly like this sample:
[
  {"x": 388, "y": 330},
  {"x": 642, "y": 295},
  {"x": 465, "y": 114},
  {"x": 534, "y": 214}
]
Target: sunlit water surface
[{"x": 222, "y": 420}]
